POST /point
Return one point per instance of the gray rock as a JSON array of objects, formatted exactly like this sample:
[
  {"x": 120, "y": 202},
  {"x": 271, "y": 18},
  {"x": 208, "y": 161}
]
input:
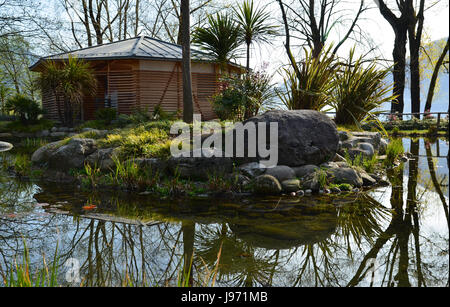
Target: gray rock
[
  {"x": 267, "y": 185},
  {"x": 291, "y": 185},
  {"x": 343, "y": 136},
  {"x": 305, "y": 170},
  {"x": 58, "y": 134},
  {"x": 383, "y": 147},
  {"x": 43, "y": 154},
  {"x": 54, "y": 129},
  {"x": 200, "y": 167},
  {"x": 4, "y": 146},
  {"x": 252, "y": 169},
  {"x": 154, "y": 165},
  {"x": 367, "y": 148},
  {"x": 346, "y": 175},
  {"x": 304, "y": 136},
  {"x": 6, "y": 135},
  {"x": 43, "y": 134},
  {"x": 281, "y": 172},
  {"x": 308, "y": 192},
  {"x": 300, "y": 193},
  {"x": 328, "y": 165},
  {"x": 73, "y": 154},
  {"x": 367, "y": 179},
  {"x": 63, "y": 129},
  {"x": 339, "y": 158},
  {"x": 311, "y": 182},
  {"x": 103, "y": 158},
  {"x": 342, "y": 164}
]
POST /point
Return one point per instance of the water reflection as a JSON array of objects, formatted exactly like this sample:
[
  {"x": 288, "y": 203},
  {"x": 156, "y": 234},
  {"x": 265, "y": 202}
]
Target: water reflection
[{"x": 395, "y": 236}]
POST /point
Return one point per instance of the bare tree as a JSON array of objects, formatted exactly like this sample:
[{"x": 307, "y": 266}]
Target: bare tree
[{"x": 314, "y": 20}]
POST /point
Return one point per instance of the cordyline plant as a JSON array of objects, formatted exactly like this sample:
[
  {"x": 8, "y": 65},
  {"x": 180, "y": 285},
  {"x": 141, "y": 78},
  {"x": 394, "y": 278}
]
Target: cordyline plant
[
  {"x": 311, "y": 85},
  {"x": 359, "y": 90},
  {"x": 68, "y": 82}
]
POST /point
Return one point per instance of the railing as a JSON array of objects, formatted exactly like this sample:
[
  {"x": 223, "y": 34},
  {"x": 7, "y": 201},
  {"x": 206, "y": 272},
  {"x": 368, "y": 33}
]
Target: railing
[{"x": 401, "y": 116}]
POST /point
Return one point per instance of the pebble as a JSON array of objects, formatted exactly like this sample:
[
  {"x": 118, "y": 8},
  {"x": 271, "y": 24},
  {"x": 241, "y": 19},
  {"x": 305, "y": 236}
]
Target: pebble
[
  {"x": 356, "y": 190},
  {"x": 308, "y": 192},
  {"x": 300, "y": 193}
]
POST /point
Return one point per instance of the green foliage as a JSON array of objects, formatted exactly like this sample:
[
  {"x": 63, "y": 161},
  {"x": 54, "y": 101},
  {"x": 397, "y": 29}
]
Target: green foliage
[
  {"x": 345, "y": 187},
  {"x": 370, "y": 164},
  {"x": 241, "y": 97},
  {"x": 68, "y": 82},
  {"x": 106, "y": 114},
  {"x": 22, "y": 165},
  {"x": 25, "y": 108},
  {"x": 19, "y": 275},
  {"x": 254, "y": 23},
  {"x": 220, "y": 37},
  {"x": 311, "y": 84},
  {"x": 393, "y": 150},
  {"x": 18, "y": 126},
  {"x": 358, "y": 91}
]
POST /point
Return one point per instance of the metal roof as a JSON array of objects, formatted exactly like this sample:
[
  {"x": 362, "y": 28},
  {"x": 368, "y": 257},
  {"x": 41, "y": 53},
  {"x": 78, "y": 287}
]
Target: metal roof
[{"x": 142, "y": 47}]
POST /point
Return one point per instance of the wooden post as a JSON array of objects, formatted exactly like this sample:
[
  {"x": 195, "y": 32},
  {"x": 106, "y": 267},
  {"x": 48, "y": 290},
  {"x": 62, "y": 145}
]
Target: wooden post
[{"x": 438, "y": 121}]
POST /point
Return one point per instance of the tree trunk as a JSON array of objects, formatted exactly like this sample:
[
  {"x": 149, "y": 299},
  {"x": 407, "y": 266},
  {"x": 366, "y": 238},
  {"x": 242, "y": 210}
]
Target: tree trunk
[
  {"x": 248, "y": 57},
  {"x": 415, "y": 27},
  {"x": 434, "y": 77},
  {"x": 399, "y": 74},
  {"x": 188, "y": 107}
]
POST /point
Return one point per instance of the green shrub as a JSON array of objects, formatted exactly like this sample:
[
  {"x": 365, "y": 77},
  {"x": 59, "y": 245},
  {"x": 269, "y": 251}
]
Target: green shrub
[
  {"x": 106, "y": 114},
  {"x": 25, "y": 108},
  {"x": 359, "y": 89},
  {"x": 242, "y": 97},
  {"x": 310, "y": 86},
  {"x": 393, "y": 150}
]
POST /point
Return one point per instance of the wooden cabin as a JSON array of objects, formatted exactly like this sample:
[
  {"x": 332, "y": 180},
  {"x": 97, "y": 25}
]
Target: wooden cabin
[{"x": 139, "y": 74}]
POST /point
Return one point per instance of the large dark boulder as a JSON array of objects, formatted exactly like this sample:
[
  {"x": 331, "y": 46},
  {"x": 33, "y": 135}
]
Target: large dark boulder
[
  {"x": 73, "y": 154},
  {"x": 304, "y": 136}
]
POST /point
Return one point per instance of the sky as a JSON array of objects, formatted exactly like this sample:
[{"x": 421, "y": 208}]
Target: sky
[{"x": 273, "y": 56}]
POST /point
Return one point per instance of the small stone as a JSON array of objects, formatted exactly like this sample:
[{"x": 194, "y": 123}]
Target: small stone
[
  {"x": 281, "y": 172},
  {"x": 326, "y": 191},
  {"x": 291, "y": 185},
  {"x": 308, "y": 192},
  {"x": 321, "y": 192},
  {"x": 267, "y": 184},
  {"x": 355, "y": 190},
  {"x": 293, "y": 194},
  {"x": 300, "y": 193}
]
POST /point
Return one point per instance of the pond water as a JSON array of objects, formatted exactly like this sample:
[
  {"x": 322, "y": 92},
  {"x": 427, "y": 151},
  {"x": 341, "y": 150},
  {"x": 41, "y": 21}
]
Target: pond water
[{"x": 391, "y": 236}]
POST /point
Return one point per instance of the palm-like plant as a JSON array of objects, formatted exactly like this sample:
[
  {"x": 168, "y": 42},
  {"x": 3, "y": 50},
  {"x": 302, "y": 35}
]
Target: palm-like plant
[
  {"x": 310, "y": 86},
  {"x": 358, "y": 91},
  {"x": 68, "y": 82},
  {"x": 220, "y": 37},
  {"x": 254, "y": 25}
]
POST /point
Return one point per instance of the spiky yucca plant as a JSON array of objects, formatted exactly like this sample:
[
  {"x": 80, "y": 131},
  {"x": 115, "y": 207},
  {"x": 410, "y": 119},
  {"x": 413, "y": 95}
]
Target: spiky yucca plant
[
  {"x": 310, "y": 87},
  {"x": 358, "y": 91}
]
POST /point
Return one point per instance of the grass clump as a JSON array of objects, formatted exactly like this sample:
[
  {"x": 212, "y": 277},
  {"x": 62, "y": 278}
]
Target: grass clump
[
  {"x": 19, "y": 275},
  {"x": 393, "y": 150}
]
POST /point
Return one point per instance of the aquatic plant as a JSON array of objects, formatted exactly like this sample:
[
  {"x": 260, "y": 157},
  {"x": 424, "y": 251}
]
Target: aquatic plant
[
  {"x": 393, "y": 151},
  {"x": 19, "y": 275}
]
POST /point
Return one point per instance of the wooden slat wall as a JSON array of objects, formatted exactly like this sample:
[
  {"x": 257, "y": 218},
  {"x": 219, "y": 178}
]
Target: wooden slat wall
[
  {"x": 167, "y": 88},
  {"x": 143, "y": 89},
  {"x": 49, "y": 105}
]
